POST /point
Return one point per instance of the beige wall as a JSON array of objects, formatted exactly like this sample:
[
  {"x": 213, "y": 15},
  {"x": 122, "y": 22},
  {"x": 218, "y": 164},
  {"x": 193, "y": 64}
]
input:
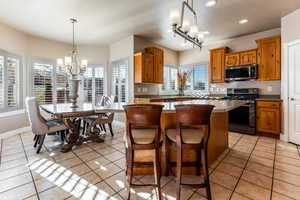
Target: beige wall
[
  {"x": 196, "y": 56},
  {"x": 29, "y": 47}
]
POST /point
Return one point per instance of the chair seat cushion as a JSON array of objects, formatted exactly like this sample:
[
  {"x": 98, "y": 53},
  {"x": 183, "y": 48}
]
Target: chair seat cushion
[
  {"x": 143, "y": 136},
  {"x": 189, "y": 135},
  {"x": 55, "y": 125}
]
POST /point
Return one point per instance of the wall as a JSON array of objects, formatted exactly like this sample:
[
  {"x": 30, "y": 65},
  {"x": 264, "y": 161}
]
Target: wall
[
  {"x": 120, "y": 50},
  {"x": 290, "y": 32},
  {"x": 236, "y": 44},
  {"x": 170, "y": 58},
  {"x": 30, "y": 47}
]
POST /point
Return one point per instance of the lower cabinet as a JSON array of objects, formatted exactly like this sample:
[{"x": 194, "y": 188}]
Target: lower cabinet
[{"x": 268, "y": 117}]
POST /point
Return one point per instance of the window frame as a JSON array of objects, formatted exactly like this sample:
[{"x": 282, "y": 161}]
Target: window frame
[
  {"x": 168, "y": 90},
  {"x": 193, "y": 66},
  {"x": 5, "y": 107}
]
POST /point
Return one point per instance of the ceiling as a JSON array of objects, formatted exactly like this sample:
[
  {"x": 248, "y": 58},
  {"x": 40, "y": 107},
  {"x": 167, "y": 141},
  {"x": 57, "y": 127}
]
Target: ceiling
[{"x": 106, "y": 21}]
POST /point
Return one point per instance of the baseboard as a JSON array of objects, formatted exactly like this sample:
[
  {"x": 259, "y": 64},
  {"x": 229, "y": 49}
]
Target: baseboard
[{"x": 14, "y": 132}]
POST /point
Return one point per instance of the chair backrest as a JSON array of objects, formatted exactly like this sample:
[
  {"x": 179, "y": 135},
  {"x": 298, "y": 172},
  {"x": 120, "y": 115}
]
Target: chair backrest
[
  {"x": 108, "y": 100},
  {"x": 143, "y": 115},
  {"x": 99, "y": 100},
  {"x": 37, "y": 122},
  {"x": 188, "y": 115}
]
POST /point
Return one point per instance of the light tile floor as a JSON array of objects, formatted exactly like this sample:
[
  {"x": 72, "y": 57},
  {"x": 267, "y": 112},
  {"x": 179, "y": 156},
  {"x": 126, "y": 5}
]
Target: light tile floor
[{"x": 252, "y": 168}]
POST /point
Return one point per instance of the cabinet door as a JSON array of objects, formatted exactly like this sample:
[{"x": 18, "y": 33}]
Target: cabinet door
[
  {"x": 159, "y": 66},
  {"x": 268, "y": 120},
  {"x": 147, "y": 68},
  {"x": 217, "y": 59},
  {"x": 248, "y": 57},
  {"x": 232, "y": 60},
  {"x": 269, "y": 59}
]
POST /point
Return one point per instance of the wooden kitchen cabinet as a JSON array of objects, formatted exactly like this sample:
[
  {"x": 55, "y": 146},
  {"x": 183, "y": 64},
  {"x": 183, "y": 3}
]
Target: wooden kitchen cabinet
[
  {"x": 158, "y": 64},
  {"x": 269, "y": 58},
  {"x": 268, "y": 117},
  {"x": 248, "y": 57},
  {"x": 217, "y": 64},
  {"x": 232, "y": 59},
  {"x": 143, "y": 67}
]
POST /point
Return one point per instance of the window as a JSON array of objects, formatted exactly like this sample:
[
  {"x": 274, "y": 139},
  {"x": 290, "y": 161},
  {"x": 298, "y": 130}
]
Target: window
[
  {"x": 170, "y": 78},
  {"x": 120, "y": 80},
  {"x": 198, "y": 77},
  {"x": 42, "y": 82},
  {"x": 93, "y": 83},
  {"x": 50, "y": 83},
  {"x": 9, "y": 77}
]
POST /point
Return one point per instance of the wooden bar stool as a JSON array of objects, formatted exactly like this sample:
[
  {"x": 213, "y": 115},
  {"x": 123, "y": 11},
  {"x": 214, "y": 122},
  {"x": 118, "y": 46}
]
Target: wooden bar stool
[
  {"x": 143, "y": 132},
  {"x": 192, "y": 132}
]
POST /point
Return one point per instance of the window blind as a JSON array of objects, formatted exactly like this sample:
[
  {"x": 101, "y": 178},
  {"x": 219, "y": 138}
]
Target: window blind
[
  {"x": 42, "y": 82},
  {"x": 120, "y": 80},
  {"x": 99, "y": 81},
  {"x": 88, "y": 85},
  {"x": 1, "y": 81},
  {"x": 62, "y": 86},
  {"x": 12, "y": 67}
]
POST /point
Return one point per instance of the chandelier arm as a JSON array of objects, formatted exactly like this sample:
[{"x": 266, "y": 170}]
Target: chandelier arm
[
  {"x": 185, "y": 4},
  {"x": 178, "y": 31}
]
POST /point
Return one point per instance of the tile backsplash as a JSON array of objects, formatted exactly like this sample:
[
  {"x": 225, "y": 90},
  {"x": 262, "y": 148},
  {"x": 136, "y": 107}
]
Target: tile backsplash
[{"x": 265, "y": 87}]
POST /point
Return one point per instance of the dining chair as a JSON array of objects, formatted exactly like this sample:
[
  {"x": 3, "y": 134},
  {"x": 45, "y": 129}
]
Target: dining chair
[
  {"x": 41, "y": 127},
  {"x": 143, "y": 132},
  {"x": 191, "y": 133},
  {"x": 91, "y": 123}
]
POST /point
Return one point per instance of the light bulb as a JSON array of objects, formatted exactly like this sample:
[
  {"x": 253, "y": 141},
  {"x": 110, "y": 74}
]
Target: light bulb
[
  {"x": 68, "y": 60},
  {"x": 210, "y": 3},
  {"x": 59, "y": 62},
  {"x": 193, "y": 31},
  {"x": 185, "y": 26},
  {"x": 200, "y": 37},
  {"x": 84, "y": 63},
  {"x": 174, "y": 16}
]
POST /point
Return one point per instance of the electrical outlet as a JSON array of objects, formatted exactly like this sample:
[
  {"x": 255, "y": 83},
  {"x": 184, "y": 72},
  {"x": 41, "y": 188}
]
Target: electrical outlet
[
  {"x": 139, "y": 89},
  {"x": 270, "y": 89},
  {"x": 145, "y": 89}
]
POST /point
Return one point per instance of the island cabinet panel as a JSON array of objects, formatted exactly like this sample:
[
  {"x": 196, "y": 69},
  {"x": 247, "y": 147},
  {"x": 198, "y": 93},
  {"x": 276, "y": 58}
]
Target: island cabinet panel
[
  {"x": 248, "y": 57},
  {"x": 143, "y": 68},
  {"x": 158, "y": 64},
  {"x": 217, "y": 64},
  {"x": 268, "y": 115},
  {"x": 269, "y": 58},
  {"x": 232, "y": 59}
]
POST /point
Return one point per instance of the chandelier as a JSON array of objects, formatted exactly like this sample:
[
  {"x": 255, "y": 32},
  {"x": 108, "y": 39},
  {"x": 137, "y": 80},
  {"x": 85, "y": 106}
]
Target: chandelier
[
  {"x": 71, "y": 62},
  {"x": 182, "y": 26}
]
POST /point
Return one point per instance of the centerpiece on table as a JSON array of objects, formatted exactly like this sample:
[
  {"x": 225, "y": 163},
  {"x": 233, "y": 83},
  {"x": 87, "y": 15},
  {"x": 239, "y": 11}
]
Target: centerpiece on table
[{"x": 182, "y": 78}]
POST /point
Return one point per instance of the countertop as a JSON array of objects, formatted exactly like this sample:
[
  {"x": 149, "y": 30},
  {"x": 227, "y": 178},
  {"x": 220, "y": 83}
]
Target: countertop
[
  {"x": 88, "y": 108},
  {"x": 269, "y": 98},
  {"x": 142, "y": 97}
]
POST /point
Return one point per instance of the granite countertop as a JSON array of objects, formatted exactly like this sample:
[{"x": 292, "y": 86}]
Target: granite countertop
[
  {"x": 177, "y": 96},
  {"x": 86, "y": 108},
  {"x": 269, "y": 98}
]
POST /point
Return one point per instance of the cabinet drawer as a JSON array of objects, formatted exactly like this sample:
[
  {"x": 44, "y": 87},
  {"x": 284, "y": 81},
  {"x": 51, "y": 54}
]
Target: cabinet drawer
[{"x": 268, "y": 104}]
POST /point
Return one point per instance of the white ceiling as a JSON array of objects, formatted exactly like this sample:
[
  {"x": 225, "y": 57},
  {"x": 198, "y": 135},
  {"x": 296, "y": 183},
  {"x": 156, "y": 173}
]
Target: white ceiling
[{"x": 106, "y": 21}]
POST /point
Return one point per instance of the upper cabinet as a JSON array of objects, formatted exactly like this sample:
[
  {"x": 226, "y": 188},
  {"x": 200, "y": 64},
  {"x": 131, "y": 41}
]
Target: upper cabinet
[
  {"x": 149, "y": 66},
  {"x": 269, "y": 58},
  {"x": 232, "y": 59},
  {"x": 248, "y": 57},
  {"x": 158, "y": 67},
  {"x": 241, "y": 58},
  {"x": 217, "y": 64}
]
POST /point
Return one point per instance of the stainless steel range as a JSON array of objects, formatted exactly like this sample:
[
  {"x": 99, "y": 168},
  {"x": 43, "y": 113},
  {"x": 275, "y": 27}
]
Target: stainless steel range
[{"x": 243, "y": 119}]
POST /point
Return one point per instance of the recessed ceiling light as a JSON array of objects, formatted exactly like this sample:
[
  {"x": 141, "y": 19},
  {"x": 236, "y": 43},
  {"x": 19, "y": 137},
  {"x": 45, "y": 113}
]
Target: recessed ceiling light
[
  {"x": 243, "y": 21},
  {"x": 210, "y": 3}
]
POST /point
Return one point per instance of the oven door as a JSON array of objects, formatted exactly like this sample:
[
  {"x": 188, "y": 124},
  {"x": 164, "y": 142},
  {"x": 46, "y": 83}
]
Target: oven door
[{"x": 242, "y": 119}]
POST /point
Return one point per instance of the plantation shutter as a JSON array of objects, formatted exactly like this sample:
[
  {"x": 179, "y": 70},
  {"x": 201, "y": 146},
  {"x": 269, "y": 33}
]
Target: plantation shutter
[
  {"x": 1, "y": 81},
  {"x": 99, "y": 81},
  {"x": 12, "y": 87},
  {"x": 42, "y": 82},
  {"x": 88, "y": 85},
  {"x": 120, "y": 80},
  {"x": 62, "y": 85}
]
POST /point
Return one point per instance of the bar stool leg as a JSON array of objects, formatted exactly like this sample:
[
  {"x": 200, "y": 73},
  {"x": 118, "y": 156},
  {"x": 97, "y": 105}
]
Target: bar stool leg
[
  {"x": 179, "y": 171},
  {"x": 198, "y": 162},
  {"x": 205, "y": 172},
  {"x": 168, "y": 168},
  {"x": 130, "y": 170},
  {"x": 157, "y": 172}
]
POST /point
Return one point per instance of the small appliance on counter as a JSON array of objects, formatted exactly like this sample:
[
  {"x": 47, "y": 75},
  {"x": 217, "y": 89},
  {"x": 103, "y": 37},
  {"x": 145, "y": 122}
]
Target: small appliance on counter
[
  {"x": 243, "y": 118},
  {"x": 241, "y": 73}
]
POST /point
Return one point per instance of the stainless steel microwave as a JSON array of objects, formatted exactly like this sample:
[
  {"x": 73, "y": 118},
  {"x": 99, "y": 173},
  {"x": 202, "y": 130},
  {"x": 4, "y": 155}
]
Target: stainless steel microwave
[{"x": 241, "y": 73}]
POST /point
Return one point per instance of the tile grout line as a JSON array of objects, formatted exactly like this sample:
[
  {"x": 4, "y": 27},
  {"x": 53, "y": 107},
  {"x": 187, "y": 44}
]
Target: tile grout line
[
  {"x": 37, "y": 194},
  {"x": 244, "y": 168},
  {"x": 273, "y": 170}
]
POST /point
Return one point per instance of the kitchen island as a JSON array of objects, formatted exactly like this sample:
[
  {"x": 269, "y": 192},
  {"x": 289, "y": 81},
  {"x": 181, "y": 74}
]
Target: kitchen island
[{"x": 218, "y": 141}]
